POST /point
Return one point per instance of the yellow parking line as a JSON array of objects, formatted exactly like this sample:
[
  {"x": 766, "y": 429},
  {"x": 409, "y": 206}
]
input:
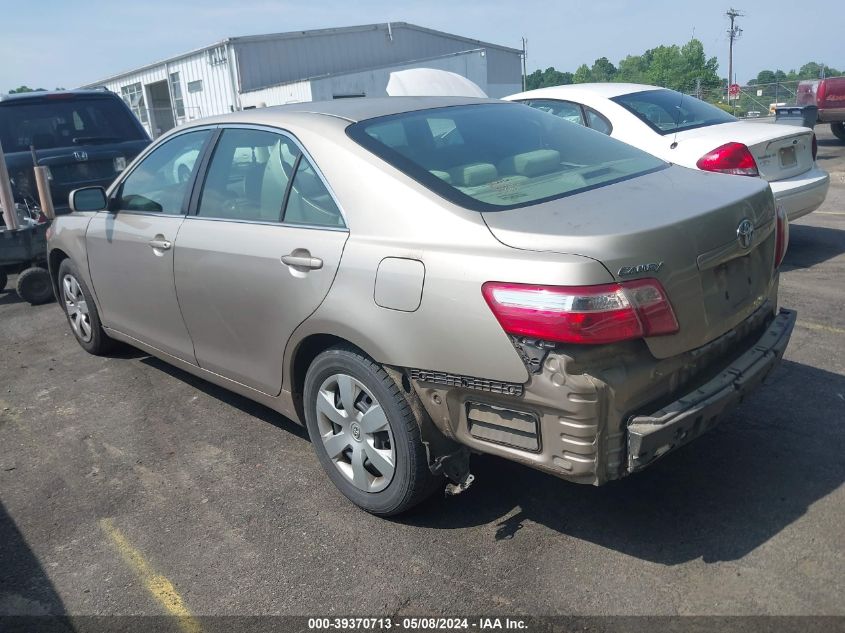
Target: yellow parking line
[
  {"x": 818, "y": 326},
  {"x": 159, "y": 586}
]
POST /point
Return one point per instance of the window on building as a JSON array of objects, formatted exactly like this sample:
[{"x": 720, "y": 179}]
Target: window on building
[
  {"x": 176, "y": 95},
  {"x": 133, "y": 95},
  {"x": 195, "y": 86}
]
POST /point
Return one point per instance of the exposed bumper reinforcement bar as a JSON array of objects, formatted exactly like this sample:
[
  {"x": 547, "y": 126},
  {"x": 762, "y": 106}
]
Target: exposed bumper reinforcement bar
[{"x": 652, "y": 436}]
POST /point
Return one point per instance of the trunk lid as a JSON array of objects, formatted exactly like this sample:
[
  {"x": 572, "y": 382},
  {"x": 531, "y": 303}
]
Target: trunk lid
[
  {"x": 677, "y": 225},
  {"x": 780, "y": 151}
]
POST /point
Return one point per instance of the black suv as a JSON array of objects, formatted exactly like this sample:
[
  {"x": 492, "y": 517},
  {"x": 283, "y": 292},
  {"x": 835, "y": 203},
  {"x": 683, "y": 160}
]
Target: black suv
[{"x": 85, "y": 137}]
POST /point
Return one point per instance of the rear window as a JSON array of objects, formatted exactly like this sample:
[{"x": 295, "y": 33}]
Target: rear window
[
  {"x": 491, "y": 157},
  {"x": 667, "y": 111},
  {"x": 65, "y": 121}
]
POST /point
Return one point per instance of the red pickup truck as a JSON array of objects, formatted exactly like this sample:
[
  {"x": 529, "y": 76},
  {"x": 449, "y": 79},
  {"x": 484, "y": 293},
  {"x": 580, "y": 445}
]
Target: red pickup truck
[{"x": 829, "y": 95}]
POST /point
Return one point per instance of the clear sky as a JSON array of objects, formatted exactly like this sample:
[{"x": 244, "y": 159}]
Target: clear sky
[{"x": 50, "y": 43}]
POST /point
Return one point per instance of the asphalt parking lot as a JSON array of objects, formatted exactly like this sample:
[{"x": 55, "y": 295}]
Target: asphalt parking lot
[{"x": 120, "y": 473}]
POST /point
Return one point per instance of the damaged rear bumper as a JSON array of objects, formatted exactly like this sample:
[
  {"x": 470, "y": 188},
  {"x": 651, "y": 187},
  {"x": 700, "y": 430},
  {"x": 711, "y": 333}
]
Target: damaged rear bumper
[{"x": 652, "y": 436}]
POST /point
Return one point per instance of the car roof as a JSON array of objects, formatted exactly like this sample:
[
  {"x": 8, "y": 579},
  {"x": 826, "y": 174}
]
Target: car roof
[
  {"x": 352, "y": 109},
  {"x": 606, "y": 90},
  {"x": 46, "y": 94}
]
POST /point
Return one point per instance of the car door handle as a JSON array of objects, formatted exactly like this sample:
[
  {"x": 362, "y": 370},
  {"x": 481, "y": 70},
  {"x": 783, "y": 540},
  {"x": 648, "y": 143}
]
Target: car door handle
[
  {"x": 161, "y": 245},
  {"x": 302, "y": 261}
]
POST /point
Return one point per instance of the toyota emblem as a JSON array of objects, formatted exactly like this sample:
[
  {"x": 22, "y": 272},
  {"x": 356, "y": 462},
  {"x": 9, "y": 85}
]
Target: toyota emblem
[{"x": 745, "y": 233}]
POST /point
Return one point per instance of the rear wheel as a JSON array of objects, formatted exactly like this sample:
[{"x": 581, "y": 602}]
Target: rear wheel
[
  {"x": 365, "y": 434},
  {"x": 838, "y": 130},
  {"x": 81, "y": 311},
  {"x": 34, "y": 286}
]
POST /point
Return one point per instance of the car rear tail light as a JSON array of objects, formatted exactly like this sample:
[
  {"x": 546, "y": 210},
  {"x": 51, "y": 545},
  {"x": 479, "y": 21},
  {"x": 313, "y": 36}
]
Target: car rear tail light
[
  {"x": 815, "y": 147},
  {"x": 731, "y": 158},
  {"x": 781, "y": 236},
  {"x": 605, "y": 313}
]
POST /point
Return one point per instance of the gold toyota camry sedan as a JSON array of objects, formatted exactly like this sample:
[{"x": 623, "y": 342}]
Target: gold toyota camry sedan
[{"x": 420, "y": 279}]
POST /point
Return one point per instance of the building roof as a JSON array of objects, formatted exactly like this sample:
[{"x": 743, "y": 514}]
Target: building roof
[{"x": 244, "y": 39}]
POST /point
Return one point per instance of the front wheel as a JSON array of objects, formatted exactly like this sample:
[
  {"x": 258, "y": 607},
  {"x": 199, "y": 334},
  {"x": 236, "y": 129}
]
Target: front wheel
[
  {"x": 838, "y": 130},
  {"x": 81, "y": 312},
  {"x": 365, "y": 434}
]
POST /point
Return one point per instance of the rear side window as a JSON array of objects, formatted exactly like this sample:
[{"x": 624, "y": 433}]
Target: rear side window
[
  {"x": 566, "y": 110},
  {"x": 248, "y": 176},
  {"x": 667, "y": 111},
  {"x": 503, "y": 155},
  {"x": 597, "y": 121},
  {"x": 309, "y": 202},
  {"x": 64, "y": 122}
]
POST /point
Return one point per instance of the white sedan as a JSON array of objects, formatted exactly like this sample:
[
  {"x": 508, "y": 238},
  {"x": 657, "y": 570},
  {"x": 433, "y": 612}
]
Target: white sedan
[{"x": 686, "y": 131}]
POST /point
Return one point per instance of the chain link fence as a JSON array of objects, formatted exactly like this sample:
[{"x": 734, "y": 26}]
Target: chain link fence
[{"x": 753, "y": 100}]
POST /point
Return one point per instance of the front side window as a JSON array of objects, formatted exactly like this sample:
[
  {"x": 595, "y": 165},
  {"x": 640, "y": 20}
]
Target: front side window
[
  {"x": 248, "y": 176},
  {"x": 509, "y": 155},
  {"x": 161, "y": 181},
  {"x": 667, "y": 111}
]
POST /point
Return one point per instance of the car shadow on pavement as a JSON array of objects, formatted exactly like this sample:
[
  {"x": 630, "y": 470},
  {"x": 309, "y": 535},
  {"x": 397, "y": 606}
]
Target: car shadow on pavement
[
  {"x": 717, "y": 499},
  {"x": 25, "y": 589},
  {"x": 811, "y": 245},
  {"x": 829, "y": 142},
  {"x": 9, "y": 296},
  {"x": 239, "y": 402}
]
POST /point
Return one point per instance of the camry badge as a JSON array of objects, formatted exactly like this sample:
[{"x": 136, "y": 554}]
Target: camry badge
[
  {"x": 745, "y": 233},
  {"x": 653, "y": 267}
]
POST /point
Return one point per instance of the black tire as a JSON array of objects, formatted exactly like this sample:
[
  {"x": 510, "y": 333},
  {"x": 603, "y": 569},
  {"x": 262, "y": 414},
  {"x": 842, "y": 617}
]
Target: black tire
[
  {"x": 838, "y": 130},
  {"x": 412, "y": 481},
  {"x": 4, "y": 278},
  {"x": 34, "y": 286},
  {"x": 99, "y": 343}
]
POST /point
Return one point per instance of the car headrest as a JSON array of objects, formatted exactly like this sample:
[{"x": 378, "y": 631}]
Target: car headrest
[
  {"x": 473, "y": 175},
  {"x": 536, "y": 163}
]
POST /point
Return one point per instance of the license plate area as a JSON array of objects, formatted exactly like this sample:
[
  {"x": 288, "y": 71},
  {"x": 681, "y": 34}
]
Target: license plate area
[
  {"x": 735, "y": 281},
  {"x": 788, "y": 157}
]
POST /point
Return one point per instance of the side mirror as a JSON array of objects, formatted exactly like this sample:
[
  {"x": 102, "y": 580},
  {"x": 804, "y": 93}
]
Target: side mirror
[{"x": 88, "y": 199}]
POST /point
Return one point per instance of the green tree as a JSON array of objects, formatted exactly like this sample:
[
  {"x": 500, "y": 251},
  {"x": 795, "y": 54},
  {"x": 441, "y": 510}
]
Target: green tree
[
  {"x": 548, "y": 77},
  {"x": 582, "y": 75},
  {"x": 25, "y": 89},
  {"x": 633, "y": 69},
  {"x": 603, "y": 70}
]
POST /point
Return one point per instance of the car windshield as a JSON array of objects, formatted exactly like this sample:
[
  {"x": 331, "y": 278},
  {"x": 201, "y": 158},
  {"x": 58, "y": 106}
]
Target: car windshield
[
  {"x": 667, "y": 111},
  {"x": 61, "y": 121},
  {"x": 499, "y": 156}
]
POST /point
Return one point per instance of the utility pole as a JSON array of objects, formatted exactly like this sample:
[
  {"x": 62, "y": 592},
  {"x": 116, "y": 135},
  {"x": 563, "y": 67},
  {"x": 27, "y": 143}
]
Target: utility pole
[
  {"x": 733, "y": 33},
  {"x": 524, "y": 71}
]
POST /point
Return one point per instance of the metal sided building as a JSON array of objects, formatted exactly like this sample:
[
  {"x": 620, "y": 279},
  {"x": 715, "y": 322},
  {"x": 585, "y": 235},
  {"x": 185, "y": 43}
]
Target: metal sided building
[{"x": 259, "y": 70}]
